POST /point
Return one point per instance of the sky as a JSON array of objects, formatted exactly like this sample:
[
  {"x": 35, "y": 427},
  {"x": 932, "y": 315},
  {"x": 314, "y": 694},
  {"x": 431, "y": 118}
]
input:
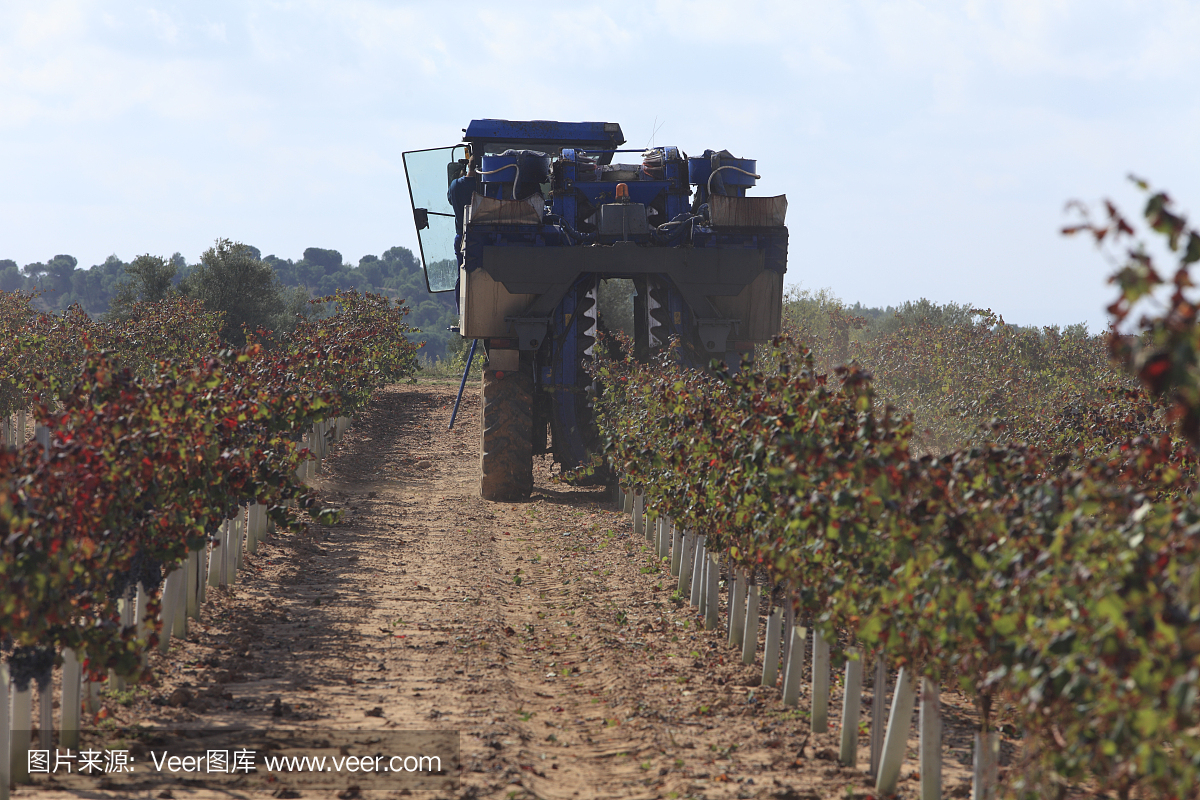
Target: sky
[{"x": 927, "y": 149}]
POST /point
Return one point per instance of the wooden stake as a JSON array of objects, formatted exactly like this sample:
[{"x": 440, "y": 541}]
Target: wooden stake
[{"x": 698, "y": 571}]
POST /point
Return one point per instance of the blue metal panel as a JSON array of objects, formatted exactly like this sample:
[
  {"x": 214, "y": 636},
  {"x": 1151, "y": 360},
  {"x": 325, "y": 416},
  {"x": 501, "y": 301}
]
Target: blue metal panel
[
  {"x": 700, "y": 168},
  {"x": 579, "y": 134}
]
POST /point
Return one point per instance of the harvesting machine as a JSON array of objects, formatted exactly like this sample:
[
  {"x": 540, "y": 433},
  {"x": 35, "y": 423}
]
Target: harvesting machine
[{"x": 526, "y": 220}]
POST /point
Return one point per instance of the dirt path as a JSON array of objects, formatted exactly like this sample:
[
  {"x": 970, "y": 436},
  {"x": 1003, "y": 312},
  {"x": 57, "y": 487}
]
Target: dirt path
[{"x": 543, "y": 632}]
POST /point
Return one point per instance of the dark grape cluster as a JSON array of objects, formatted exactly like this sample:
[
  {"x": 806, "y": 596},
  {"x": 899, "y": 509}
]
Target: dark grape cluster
[{"x": 32, "y": 663}]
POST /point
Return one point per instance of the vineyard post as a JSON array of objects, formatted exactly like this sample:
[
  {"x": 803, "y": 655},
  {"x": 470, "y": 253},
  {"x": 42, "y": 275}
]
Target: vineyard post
[
  {"x": 712, "y": 617},
  {"x": 797, "y": 636},
  {"x": 239, "y": 531},
  {"x": 770, "y": 673},
  {"x": 22, "y": 731},
  {"x": 639, "y": 512},
  {"x": 685, "y": 563},
  {"x": 71, "y": 686},
  {"x": 318, "y": 442},
  {"x": 177, "y": 624},
  {"x": 820, "y": 683},
  {"x": 750, "y": 624},
  {"x": 620, "y": 497},
  {"x": 737, "y": 609},
  {"x": 5, "y": 732},
  {"x": 851, "y": 705},
  {"x": 116, "y": 683},
  {"x": 698, "y": 571},
  {"x": 260, "y": 535},
  {"x": 627, "y": 502},
  {"x": 986, "y": 763},
  {"x": 676, "y": 549},
  {"x": 45, "y": 684},
  {"x": 310, "y": 464},
  {"x": 878, "y": 697},
  {"x": 6, "y": 437},
  {"x": 21, "y": 427},
  {"x": 789, "y": 622},
  {"x": 931, "y": 741},
  {"x": 93, "y": 696},
  {"x": 191, "y": 580},
  {"x": 228, "y": 556},
  {"x": 170, "y": 599},
  {"x": 895, "y": 741},
  {"x": 214, "y": 563},
  {"x": 143, "y": 598},
  {"x": 664, "y": 536},
  {"x": 251, "y": 529}
]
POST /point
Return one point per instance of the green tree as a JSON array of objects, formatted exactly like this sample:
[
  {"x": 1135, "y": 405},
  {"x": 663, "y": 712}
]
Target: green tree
[
  {"x": 147, "y": 279},
  {"x": 331, "y": 260},
  {"x": 10, "y": 276},
  {"x": 246, "y": 290}
]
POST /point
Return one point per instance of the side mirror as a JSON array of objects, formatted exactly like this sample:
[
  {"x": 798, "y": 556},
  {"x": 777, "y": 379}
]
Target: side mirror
[
  {"x": 421, "y": 217},
  {"x": 455, "y": 169}
]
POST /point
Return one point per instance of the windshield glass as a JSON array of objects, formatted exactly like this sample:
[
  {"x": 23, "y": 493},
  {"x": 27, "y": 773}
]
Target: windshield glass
[{"x": 429, "y": 174}]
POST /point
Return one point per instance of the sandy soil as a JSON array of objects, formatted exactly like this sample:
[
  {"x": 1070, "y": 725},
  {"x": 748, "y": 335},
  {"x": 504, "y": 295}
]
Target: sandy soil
[{"x": 543, "y": 632}]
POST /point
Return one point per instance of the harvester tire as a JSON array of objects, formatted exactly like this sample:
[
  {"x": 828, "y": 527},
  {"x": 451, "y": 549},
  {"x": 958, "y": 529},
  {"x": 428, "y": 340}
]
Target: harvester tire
[{"x": 506, "y": 445}]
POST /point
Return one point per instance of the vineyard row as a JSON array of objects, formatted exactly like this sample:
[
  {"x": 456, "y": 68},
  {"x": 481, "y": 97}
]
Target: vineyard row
[
  {"x": 157, "y": 455},
  {"x": 1060, "y": 587}
]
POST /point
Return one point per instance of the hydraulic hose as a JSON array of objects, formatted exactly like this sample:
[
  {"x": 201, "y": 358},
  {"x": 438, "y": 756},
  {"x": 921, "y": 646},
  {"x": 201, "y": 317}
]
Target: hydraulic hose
[
  {"x": 735, "y": 169},
  {"x": 516, "y": 176}
]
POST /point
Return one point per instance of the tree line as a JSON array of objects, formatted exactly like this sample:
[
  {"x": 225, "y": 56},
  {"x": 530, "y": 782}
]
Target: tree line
[{"x": 251, "y": 289}]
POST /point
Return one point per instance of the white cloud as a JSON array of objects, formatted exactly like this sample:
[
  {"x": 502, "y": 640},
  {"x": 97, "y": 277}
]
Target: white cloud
[{"x": 164, "y": 27}]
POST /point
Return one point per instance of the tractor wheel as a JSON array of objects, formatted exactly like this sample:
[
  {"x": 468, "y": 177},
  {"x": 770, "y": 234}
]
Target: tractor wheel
[{"x": 506, "y": 446}]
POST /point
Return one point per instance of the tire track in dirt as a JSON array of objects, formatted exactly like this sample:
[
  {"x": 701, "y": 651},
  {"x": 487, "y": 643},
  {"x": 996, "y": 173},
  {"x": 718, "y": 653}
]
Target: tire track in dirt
[{"x": 544, "y": 632}]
